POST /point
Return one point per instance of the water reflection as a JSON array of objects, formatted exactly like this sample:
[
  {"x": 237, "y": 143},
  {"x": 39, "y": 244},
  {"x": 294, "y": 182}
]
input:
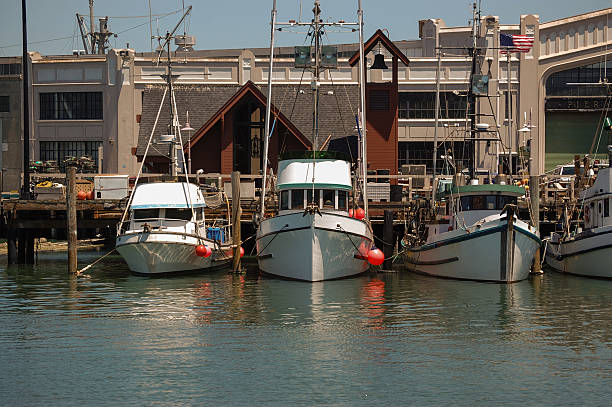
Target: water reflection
[{"x": 333, "y": 340}]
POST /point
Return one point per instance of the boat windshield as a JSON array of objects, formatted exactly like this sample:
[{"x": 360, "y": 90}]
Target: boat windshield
[
  {"x": 486, "y": 202},
  {"x": 176, "y": 213},
  {"x": 146, "y": 213}
]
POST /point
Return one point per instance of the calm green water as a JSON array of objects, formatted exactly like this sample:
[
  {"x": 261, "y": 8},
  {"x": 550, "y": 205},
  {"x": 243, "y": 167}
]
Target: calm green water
[{"x": 387, "y": 339}]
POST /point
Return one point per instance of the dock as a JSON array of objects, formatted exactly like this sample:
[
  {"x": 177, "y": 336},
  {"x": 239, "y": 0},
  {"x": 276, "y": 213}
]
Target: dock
[{"x": 24, "y": 220}]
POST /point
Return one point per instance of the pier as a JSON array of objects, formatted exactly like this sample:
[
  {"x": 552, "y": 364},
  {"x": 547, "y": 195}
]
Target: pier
[{"x": 25, "y": 220}]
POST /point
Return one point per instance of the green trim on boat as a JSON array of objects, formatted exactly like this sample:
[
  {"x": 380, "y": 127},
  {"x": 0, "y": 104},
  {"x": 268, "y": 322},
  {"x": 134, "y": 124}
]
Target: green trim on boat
[{"x": 487, "y": 188}]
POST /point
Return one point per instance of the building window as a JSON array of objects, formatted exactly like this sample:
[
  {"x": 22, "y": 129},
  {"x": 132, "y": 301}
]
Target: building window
[
  {"x": 581, "y": 81},
  {"x": 422, "y": 105},
  {"x": 59, "y": 151},
  {"x": 5, "y": 106},
  {"x": 71, "y": 106},
  {"x": 378, "y": 99},
  {"x": 10, "y": 69},
  {"x": 450, "y": 155}
]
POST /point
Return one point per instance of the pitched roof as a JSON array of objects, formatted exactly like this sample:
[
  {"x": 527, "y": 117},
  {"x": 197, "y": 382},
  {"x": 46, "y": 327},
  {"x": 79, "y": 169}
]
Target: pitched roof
[
  {"x": 338, "y": 106},
  {"x": 386, "y": 42},
  {"x": 252, "y": 89}
]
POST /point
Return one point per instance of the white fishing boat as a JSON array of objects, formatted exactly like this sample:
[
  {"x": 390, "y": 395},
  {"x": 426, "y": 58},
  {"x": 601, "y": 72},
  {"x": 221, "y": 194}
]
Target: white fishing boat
[
  {"x": 589, "y": 251},
  {"x": 479, "y": 238},
  {"x": 167, "y": 231},
  {"x": 312, "y": 237},
  {"x": 164, "y": 228}
]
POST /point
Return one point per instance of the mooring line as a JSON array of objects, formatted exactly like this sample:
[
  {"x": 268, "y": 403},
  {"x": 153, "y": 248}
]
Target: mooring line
[{"x": 90, "y": 265}]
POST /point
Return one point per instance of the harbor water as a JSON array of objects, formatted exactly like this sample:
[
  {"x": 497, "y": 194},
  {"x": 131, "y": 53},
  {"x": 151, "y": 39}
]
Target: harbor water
[{"x": 386, "y": 339}]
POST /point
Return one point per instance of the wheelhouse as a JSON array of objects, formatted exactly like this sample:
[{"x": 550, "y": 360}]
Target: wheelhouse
[{"x": 322, "y": 178}]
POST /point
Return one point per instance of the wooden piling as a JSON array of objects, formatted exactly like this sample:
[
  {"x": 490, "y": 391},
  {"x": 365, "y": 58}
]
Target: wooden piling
[
  {"x": 534, "y": 195},
  {"x": 236, "y": 215},
  {"x": 11, "y": 240},
  {"x": 388, "y": 239},
  {"x": 71, "y": 218}
]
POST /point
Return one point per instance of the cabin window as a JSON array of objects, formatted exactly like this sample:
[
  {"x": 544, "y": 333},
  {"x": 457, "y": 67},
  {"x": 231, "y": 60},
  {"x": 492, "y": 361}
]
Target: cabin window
[
  {"x": 317, "y": 195},
  {"x": 146, "y": 213},
  {"x": 607, "y": 207},
  {"x": 486, "y": 202},
  {"x": 505, "y": 200},
  {"x": 599, "y": 205},
  {"x": 297, "y": 199},
  {"x": 342, "y": 200},
  {"x": 178, "y": 214},
  {"x": 284, "y": 200},
  {"x": 329, "y": 198},
  {"x": 199, "y": 214},
  {"x": 491, "y": 202}
]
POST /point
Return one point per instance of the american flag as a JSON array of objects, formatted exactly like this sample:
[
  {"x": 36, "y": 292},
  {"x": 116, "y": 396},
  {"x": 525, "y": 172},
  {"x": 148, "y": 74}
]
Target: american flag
[{"x": 515, "y": 43}]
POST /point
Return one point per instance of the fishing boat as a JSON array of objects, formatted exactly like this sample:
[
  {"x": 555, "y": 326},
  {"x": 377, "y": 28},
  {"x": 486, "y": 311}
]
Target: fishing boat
[
  {"x": 313, "y": 237},
  {"x": 164, "y": 227},
  {"x": 587, "y": 252},
  {"x": 478, "y": 238},
  {"x": 167, "y": 231}
]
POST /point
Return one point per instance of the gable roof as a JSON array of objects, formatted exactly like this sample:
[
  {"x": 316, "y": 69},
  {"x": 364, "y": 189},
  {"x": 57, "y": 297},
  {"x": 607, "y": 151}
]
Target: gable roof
[
  {"x": 338, "y": 106},
  {"x": 252, "y": 89},
  {"x": 386, "y": 42}
]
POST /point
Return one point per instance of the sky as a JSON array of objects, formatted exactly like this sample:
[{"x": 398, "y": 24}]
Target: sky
[{"x": 52, "y": 27}]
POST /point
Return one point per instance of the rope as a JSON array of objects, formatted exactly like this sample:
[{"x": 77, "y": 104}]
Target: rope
[
  {"x": 276, "y": 234},
  {"x": 90, "y": 265}
]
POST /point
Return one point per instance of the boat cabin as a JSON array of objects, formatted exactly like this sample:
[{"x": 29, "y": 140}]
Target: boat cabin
[
  {"x": 597, "y": 200},
  {"x": 322, "y": 178},
  {"x": 471, "y": 203},
  {"x": 167, "y": 205}
]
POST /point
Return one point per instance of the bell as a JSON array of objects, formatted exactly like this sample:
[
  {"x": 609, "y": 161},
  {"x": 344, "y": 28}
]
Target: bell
[{"x": 379, "y": 62}]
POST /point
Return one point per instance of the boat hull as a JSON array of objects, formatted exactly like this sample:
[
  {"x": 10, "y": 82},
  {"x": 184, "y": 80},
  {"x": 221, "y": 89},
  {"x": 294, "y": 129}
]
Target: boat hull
[
  {"x": 313, "y": 247},
  {"x": 588, "y": 255},
  {"x": 159, "y": 253},
  {"x": 495, "y": 254}
]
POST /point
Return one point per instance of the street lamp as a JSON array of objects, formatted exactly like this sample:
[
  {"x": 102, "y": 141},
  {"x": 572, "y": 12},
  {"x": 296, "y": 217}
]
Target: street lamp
[{"x": 188, "y": 129}]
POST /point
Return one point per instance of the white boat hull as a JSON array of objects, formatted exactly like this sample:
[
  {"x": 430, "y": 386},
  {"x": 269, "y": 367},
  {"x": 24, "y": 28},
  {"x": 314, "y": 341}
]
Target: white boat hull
[
  {"x": 313, "y": 247},
  {"x": 491, "y": 253},
  {"x": 159, "y": 253},
  {"x": 588, "y": 254}
]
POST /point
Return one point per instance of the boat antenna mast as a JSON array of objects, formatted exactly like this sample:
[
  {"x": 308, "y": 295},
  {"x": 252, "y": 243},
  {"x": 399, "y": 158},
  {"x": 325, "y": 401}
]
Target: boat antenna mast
[
  {"x": 262, "y": 205},
  {"x": 471, "y": 95},
  {"x": 316, "y": 25},
  {"x": 168, "y": 77}
]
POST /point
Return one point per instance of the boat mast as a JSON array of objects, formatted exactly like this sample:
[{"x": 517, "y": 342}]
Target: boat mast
[
  {"x": 471, "y": 96},
  {"x": 315, "y": 87},
  {"x": 267, "y": 119},
  {"x": 171, "y": 105},
  {"x": 364, "y": 155},
  {"x": 435, "y": 147}
]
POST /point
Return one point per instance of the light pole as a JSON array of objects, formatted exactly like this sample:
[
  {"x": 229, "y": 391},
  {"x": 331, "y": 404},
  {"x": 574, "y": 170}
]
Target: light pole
[{"x": 188, "y": 129}]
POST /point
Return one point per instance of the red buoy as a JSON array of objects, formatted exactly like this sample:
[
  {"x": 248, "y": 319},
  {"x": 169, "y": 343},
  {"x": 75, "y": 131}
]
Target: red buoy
[
  {"x": 359, "y": 213},
  {"x": 208, "y": 251},
  {"x": 201, "y": 250},
  {"x": 81, "y": 195},
  {"x": 376, "y": 257},
  {"x": 241, "y": 251},
  {"x": 351, "y": 213},
  {"x": 90, "y": 194}
]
